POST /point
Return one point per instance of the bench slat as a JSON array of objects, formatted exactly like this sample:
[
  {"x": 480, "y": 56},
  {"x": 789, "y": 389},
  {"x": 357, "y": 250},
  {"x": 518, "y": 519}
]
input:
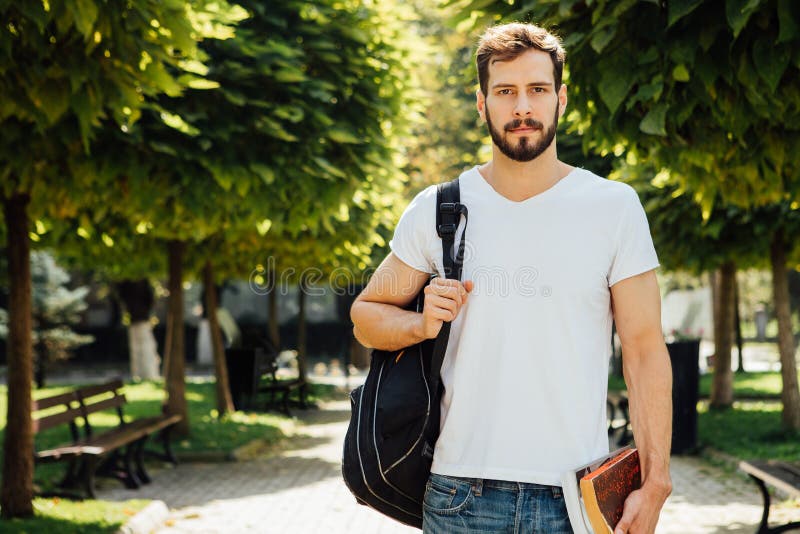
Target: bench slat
[
  {"x": 781, "y": 475},
  {"x": 92, "y": 391},
  {"x": 55, "y": 400},
  {"x": 66, "y": 451},
  {"x": 49, "y": 421},
  {"x": 105, "y": 404}
]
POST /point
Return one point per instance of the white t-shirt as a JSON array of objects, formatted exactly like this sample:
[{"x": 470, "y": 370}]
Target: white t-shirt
[{"x": 526, "y": 368}]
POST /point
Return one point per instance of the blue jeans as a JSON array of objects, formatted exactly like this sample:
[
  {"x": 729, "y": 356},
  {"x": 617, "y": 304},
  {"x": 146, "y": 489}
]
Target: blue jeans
[{"x": 454, "y": 505}]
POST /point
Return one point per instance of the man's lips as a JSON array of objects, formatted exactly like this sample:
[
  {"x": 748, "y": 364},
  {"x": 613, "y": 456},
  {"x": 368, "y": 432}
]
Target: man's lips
[{"x": 523, "y": 130}]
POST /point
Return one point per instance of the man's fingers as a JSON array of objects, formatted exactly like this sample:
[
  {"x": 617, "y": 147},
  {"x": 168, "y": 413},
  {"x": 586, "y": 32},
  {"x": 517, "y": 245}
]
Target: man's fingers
[
  {"x": 451, "y": 292},
  {"x": 442, "y": 302},
  {"x": 469, "y": 285},
  {"x": 628, "y": 515},
  {"x": 443, "y": 314}
]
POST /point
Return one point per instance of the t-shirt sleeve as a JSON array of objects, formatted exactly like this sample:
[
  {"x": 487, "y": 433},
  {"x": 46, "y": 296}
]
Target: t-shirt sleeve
[
  {"x": 414, "y": 231},
  {"x": 634, "y": 250}
]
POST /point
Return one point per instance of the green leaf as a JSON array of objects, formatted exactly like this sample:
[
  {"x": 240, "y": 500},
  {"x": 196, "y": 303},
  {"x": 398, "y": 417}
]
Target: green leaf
[
  {"x": 650, "y": 91},
  {"x": 789, "y": 20},
  {"x": 770, "y": 61},
  {"x": 614, "y": 87},
  {"x": 680, "y": 73},
  {"x": 649, "y": 56},
  {"x": 340, "y": 135},
  {"x": 85, "y": 14},
  {"x": 34, "y": 11},
  {"x": 654, "y": 123},
  {"x": 602, "y": 37},
  {"x": 201, "y": 83},
  {"x": 289, "y": 76},
  {"x": 738, "y": 12},
  {"x": 677, "y": 9},
  {"x": 52, "y": 98},
  {"x": 176, "y": 121},
  {"x": 265, "y": 172}
]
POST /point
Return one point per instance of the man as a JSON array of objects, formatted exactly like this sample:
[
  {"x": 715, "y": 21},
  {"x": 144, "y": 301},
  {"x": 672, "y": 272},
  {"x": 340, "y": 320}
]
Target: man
[{"x": 554, "y": 254}]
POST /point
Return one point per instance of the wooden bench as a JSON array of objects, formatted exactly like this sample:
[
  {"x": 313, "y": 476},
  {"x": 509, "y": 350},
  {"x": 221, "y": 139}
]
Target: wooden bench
[
  {"x": 784, "y": 476},
  {"x": 117, "y": 452},
  {"x": 270, "y": 383}
]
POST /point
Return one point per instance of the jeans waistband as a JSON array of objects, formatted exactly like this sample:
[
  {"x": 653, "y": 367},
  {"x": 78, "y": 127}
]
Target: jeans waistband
[{"x": 479, "y": 483}]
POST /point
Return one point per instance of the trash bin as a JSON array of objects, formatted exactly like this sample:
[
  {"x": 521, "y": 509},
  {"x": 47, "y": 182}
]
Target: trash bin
[
  {"x": 245, "y": 367},
  {"x": 685, "y": 359}
]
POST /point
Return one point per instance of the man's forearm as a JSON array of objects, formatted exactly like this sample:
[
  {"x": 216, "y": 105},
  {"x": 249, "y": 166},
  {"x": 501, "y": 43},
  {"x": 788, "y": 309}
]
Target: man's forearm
[
  {"x": 649, "y": 378},
  {"x": 384, "y": 326}
]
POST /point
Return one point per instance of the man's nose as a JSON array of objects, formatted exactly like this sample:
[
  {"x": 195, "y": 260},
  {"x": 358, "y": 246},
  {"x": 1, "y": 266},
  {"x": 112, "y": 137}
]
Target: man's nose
[{"x": 524, "y": 107}]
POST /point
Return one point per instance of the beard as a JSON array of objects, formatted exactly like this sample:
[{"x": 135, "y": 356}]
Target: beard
[{"x": 525, "y": 150}]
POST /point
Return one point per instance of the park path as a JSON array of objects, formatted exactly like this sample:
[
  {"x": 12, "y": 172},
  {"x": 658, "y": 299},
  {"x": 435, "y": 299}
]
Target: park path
[{"x": 299, "y": 489}]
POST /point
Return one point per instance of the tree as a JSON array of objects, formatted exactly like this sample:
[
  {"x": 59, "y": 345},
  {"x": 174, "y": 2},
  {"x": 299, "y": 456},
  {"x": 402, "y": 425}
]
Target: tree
[
  {"x": 63, "y": 68},
  {"x": 712, "y": 97},
  {"x": 230, "y": 160}
]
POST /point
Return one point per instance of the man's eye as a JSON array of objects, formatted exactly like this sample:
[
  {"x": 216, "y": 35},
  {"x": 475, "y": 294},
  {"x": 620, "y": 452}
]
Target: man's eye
[
  {"x": 505, "y": 91},
  {"x": 538, "y": 89}
]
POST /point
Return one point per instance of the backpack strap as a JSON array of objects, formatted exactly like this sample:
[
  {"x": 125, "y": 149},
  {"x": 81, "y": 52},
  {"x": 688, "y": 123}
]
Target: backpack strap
[{"x": 448, "y": 215}]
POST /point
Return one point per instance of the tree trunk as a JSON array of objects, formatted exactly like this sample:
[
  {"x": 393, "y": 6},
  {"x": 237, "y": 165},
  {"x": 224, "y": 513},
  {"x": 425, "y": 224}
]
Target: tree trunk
[
  {"x": 274, "y": 324},
  {"x": 790, "y": 395},
  {"x": 722, "y": 383},
  {"x": 176, "y": 376},
  {"x": 224, "y": 399},
  {"x": 301, "y": 330},
  {"x": 165, "y": 365},
  {"x": 738, "y": 321},
  {"x": 16, "y": 494},
  {"x": 138, "y": 298}
]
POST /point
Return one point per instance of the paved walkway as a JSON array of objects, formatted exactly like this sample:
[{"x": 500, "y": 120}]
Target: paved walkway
[{"x": 300, "y": 490}]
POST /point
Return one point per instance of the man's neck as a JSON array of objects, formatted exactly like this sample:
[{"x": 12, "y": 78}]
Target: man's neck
[{"x": 518, "y": 181}]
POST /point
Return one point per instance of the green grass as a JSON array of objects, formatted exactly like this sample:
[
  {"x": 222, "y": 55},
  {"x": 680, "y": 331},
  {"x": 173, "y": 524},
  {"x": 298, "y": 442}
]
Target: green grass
[
  {"x": 765, "y": 385},
  {"x": 749, "y": 430},
  {"x": 70, "y": 517}
]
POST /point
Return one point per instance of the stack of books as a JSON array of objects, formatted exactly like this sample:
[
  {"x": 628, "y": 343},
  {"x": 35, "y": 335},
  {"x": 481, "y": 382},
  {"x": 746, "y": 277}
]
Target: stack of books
[{"x": 595, "y": 493}]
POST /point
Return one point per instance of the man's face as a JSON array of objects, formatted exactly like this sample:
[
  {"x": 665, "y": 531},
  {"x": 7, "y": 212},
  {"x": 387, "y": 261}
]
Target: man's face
[{"x": 522, "y": 98}]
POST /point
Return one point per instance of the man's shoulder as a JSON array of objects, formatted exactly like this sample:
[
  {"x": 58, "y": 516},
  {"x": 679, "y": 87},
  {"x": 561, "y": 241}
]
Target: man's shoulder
[{"x": 605, "y": 187}]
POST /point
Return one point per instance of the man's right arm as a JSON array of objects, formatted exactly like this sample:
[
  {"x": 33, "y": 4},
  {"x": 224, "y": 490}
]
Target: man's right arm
[{"x": 379, "y": 320}]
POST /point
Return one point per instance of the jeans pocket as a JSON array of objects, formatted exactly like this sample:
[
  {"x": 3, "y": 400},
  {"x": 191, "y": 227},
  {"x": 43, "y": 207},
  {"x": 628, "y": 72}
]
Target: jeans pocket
[{"x": 446, "y": 495}]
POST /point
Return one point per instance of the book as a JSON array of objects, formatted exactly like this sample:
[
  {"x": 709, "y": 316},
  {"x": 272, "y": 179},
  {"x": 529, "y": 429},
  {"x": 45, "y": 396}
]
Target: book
[
  {"x": 579, "y": 516},
  {"x": 605, "y": 489}
]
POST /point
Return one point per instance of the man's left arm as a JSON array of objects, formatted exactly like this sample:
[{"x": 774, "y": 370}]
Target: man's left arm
[{"x": 636, "y": 304}]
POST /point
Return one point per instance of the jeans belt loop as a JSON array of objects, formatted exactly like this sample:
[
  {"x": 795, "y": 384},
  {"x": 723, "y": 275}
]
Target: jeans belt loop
[{"x": 477, "y": 487}]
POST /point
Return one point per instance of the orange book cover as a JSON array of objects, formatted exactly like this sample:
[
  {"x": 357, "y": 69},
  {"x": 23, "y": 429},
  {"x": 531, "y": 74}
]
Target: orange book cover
[{"x": 605, "y": 489}]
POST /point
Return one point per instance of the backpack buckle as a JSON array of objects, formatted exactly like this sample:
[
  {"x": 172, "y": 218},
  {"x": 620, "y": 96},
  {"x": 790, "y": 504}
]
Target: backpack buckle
[
  {"x": 448, "y": 230},
  {"x": 448, "y": 207}
]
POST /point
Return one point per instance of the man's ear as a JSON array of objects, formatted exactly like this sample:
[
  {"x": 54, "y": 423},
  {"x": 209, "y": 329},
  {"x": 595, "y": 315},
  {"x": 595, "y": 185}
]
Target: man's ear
[
  {"x": 562, "y": 100},
  {"x": 480, "y": 102}
]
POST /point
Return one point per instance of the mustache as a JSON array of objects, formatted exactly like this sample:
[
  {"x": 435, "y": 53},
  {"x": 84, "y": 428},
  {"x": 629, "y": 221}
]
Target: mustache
[{"x": 530, "y": 123}]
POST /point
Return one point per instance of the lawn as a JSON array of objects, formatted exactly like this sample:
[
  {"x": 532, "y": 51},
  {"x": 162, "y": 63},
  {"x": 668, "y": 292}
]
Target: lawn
[
  {"x": 63, "y": 516},
  {"x": 752, "y": 428},
  {"x": 210, "y": 436},
  {"x": 765, "y": 385},
  {"x": 749, "y": 430}
]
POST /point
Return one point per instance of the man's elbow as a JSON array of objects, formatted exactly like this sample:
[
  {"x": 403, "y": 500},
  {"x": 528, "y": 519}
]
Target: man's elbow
[
  {"x": 360, "y": 338},
  {"x": 356, "y": 315}
]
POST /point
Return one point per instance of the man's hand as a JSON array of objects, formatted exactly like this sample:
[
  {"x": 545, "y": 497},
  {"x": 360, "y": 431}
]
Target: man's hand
[
  {"x": 443, "y": 301},
  {"x": 642, "y": 508}
]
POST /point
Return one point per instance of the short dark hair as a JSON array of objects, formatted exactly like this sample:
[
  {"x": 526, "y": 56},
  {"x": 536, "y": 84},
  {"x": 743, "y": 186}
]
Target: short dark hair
[{"x": 508, "y": 41}]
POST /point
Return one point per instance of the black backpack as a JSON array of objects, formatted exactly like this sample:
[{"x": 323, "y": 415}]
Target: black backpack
[{"x": 394, "y": 421}]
